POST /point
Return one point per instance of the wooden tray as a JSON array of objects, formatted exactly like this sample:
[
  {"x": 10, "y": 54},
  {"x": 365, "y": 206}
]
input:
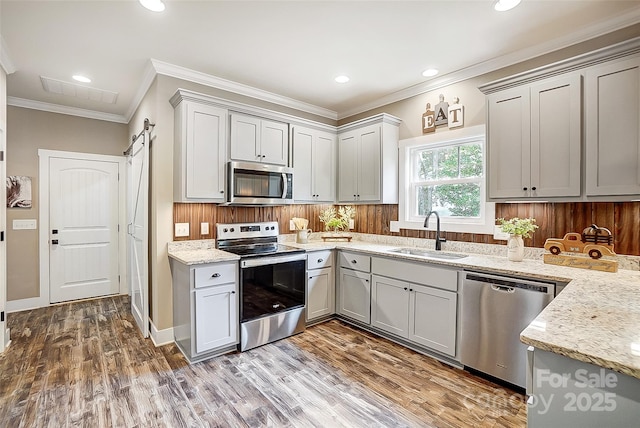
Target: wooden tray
[
  {"x": 585, "y": 262},
  {"x": 346, "y": 238}
]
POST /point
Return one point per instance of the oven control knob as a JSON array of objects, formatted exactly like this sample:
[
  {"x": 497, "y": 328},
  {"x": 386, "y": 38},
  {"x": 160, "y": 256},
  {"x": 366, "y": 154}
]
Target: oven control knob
[
  {"x": 232, "y": 229},
  {"x": 273, "y": 228},
  {"x": 225, "y": 230}
]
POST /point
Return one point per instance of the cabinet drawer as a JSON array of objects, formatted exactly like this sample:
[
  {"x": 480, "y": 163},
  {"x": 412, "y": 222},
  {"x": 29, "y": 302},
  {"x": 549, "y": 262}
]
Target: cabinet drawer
[
  {"x": 355, "y": 261},
  {"x": 215, "y": 274},
  {"x": 319, "y": 259},
  {"x": 416, "y": 273}
]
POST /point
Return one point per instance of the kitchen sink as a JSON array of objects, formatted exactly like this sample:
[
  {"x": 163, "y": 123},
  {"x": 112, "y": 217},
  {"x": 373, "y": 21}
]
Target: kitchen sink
[{"x": 428, "y": 253}]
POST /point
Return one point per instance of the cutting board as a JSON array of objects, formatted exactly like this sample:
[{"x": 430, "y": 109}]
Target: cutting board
[{"x": 581, "y": 262}]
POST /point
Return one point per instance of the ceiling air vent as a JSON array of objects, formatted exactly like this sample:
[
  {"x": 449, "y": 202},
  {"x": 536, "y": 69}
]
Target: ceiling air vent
[{"x": 74, "y": 90}]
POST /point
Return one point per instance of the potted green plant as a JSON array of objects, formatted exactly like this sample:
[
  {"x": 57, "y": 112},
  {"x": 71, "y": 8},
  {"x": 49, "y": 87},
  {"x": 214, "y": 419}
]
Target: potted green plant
[
  {"x": 337, "y": 221},
  {"x": 517, "y": 228}
]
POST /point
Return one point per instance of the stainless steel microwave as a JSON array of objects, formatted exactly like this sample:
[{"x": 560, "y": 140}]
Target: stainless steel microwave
[{"x": 259, "y": 184}]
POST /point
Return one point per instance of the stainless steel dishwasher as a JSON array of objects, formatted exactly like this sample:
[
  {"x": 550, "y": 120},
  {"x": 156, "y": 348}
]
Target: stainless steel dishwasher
[{"x": 495, "y": 310}]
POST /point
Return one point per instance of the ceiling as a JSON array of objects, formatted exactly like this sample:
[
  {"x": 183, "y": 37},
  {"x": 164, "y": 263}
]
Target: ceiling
[{"x": 290, "y": 48}]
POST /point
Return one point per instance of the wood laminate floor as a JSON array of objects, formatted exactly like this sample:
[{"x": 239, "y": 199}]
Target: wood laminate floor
[{"x": 86, "y": 364}]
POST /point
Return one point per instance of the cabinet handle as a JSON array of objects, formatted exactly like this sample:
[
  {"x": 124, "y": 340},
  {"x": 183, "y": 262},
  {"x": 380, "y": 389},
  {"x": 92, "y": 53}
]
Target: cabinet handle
[
  {"x": 222, "y": 191},
  {"x": 533, "y": 188},
  {"x": 405, "y": 288},
  {"x": 354, "y": 261},
  {"x": 524, "y": 188},
  {"x": 320, "y": 260},
  {"x": 233, "y": 292},
  {"x": 411, "y": 289},
  {"x": 354, "y": 196},
  {"x": 264, "y": 156},
  {"x": 215, "y": 275}
]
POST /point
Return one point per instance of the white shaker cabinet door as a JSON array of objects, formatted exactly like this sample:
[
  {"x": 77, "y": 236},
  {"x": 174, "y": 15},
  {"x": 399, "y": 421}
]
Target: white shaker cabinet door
[
  {"x": 355, "y": 295},
  {"x": 216, "y": 317},
  {"x": 303, "y": 164},
  {"x": 324, "y": 167},
  {"x": 369, "y": 164},
  {"x": 274, "y": 142},
  {"x": 432, "y": 318},
  {"x": 612, "y": 99},
  {"x": 320, "y": 293},
  {"x": 556, "y": 136},
  {"x": 509, "y": 143},
  {"x": 245, "y": 138},
  {"x": 389, "y": 303}
]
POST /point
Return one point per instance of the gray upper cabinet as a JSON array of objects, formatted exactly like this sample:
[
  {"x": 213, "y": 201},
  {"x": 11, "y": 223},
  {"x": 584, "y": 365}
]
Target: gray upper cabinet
[
  {"x": 199, "y": 151},
  {"x": 534, "y": 134},
  {"x": 368, "y": 160},
  {"x": 612, "y": 98},
  {"x": 254, "y": 139},
  {"x": 314, "y": 163}
]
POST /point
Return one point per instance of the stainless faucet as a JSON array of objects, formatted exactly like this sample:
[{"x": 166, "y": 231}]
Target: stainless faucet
[{"x": 439, "y": 240}]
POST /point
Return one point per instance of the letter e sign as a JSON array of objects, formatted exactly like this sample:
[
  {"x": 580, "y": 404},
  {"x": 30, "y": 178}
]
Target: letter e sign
[{"x": 428, "y": 120}]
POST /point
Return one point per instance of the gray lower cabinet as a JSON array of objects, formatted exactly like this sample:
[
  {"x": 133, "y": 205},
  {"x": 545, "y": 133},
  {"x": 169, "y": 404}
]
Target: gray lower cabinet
[
  {"x": 354, "y": 296},
  {"x": 320, "y": 285},
  {"x": 205, "y": 308},
  {"x": 419, "y": 303},
  {"x": 563, "y": 392}
]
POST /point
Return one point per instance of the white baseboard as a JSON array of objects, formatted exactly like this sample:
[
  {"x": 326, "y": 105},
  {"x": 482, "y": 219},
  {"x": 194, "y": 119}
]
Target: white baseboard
[
  {"x": 26, "y": 304},
  {"x": 160, "y": 337}
]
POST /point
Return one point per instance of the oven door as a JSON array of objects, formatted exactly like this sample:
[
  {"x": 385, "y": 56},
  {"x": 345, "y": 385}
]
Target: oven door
[{"x": 270, "y": 285}]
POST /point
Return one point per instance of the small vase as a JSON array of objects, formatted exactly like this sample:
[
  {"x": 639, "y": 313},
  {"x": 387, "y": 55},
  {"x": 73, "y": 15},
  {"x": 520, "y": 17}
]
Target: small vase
[{"x": 515, "y": 248}]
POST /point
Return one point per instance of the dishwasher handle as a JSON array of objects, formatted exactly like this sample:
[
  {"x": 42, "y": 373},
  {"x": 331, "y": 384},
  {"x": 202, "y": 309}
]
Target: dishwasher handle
[
  {"x": 502, "y": 289},
  {"x": 505, "y": 282}
]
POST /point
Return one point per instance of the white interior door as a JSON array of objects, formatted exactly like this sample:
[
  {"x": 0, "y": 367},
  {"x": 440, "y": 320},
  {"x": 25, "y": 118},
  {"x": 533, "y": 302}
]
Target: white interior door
[
  {"x": 4, "y": 335},
  {"x": 137, "y": 232},
  {"x": 83, "y": 222}
]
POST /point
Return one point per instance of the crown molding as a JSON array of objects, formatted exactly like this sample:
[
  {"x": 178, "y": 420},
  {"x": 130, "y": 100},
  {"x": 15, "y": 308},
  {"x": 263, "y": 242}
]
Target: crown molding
[
  {"x": 71, "y": 111},
  {"x": 5, "y": 60},
  {"x": 625, "y": 20},
  {"x": 619, "y": 50},
  {"x": 147, "y": 80},
  {"x": 189, "y": 75}
]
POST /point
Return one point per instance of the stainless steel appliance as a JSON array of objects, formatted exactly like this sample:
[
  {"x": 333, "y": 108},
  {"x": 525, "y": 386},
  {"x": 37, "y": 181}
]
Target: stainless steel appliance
[
  {"x": 494, "y": 311},
  {"x": 259, "y": 184},
  {"x": 272, "y": 282}
]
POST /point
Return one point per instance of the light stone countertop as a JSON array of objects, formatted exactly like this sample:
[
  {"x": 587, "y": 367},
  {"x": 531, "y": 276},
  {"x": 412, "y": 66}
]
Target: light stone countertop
[{"x": 596, "y": 319}]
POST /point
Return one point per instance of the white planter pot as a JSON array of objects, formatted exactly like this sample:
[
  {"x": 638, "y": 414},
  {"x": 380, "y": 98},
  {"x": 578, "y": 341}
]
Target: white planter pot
[{"x": 515, "y": 248}]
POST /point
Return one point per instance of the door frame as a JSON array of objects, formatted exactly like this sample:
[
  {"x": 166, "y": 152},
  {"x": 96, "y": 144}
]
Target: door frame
[{"x": 43, "y": 232}]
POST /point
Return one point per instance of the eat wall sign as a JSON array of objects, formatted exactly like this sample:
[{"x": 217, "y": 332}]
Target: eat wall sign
[{"x": 443, "y": 114}]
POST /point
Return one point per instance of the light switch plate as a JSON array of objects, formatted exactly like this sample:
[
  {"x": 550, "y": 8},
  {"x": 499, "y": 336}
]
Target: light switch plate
[
  {"x": 499, "y": 234},
  {"x": 181, "y": 229},
  {"x": 25, "y": 224},
  {"x": 204, "y": 228}
]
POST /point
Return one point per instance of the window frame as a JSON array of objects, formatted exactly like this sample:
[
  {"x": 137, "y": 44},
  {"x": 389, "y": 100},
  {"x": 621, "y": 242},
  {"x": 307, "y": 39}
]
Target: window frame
[{"x": 406, "y": 197}]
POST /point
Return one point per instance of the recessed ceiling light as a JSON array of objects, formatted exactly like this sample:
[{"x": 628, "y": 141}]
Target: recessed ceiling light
[
  {"x": 153, "y": 5},
  {"x": 80, "y": 78},
  {"x": 342, "y": 79},
  {"x": 504, "y": 5},
  {"x": 430, "y": 72}
]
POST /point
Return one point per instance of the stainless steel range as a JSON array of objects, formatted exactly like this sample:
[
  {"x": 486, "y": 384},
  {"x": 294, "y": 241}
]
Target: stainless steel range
[{"x": 272, "y": 282}]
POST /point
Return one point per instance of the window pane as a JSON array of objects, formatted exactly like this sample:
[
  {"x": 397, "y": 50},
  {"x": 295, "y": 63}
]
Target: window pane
[
  {"x": 447, "y": 162},
  {"x": 449, "y": 200},
  {"x": 471, "y": 160},
  {"x": 425, "y": 167}
]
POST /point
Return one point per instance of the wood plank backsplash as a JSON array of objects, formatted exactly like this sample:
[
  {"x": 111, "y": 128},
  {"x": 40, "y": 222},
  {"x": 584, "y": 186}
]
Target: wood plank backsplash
[{"x": 554, "y": 220}]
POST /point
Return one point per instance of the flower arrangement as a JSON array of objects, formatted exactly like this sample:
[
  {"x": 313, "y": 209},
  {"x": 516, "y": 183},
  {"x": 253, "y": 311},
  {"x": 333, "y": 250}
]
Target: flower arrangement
[
  {"x": 337, "y": 220},
  {"x": 518, "y": 226}
]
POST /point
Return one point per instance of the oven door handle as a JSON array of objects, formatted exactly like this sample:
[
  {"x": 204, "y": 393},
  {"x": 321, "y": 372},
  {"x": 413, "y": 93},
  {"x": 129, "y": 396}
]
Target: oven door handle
[{"x": 263, "y": 261}]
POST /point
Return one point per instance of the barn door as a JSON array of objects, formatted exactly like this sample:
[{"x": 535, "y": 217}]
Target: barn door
[{"x": 137, "y": 231}]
